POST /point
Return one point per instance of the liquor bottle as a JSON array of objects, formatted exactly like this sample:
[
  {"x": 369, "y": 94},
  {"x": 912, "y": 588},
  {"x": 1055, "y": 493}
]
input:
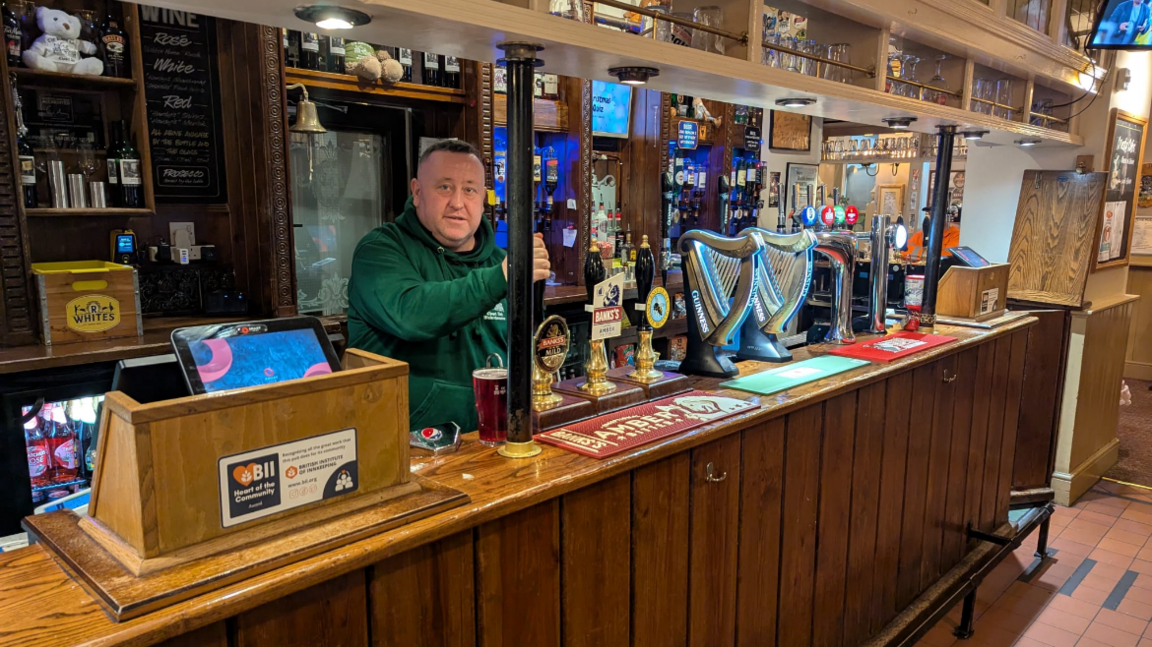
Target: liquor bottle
[
  {"x": 602, "y": 223},
  {"x": 404, "y": 55},
  {"x": 551, "y": 182},
  {"x": 322, "y": 58},
  {"x": 336, "y": 55},
  {"x": 628, "y": 257},
  {"x": 618, "y": 234},
  {"x": 131, "y": 189},
  {"x": 538, "y": 86},
  {"x": 25, "y": 153},
  {"x": 431, "y": 69},
  {"x": 451, "y": 72},
  {"x": 690, "y": 176},
  {"x": 12, "y": 36},
  {"x": 115, "y": 141},
  {"x": 62, "y": 444},
  {"x": 552, "y": 87},
  {"x": 537, "y": 166},
  {"x": 39, "y": 458},
  {"x": 701, "y": 178},
  {"x": 310, "y": 50},
  {"x": 292, "y": 48},
  {"x": 114, "y": 46}
]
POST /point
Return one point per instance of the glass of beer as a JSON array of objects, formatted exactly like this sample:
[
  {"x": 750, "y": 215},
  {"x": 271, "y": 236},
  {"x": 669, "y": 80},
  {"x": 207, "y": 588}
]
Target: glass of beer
[{"x": 491, "y": 387}]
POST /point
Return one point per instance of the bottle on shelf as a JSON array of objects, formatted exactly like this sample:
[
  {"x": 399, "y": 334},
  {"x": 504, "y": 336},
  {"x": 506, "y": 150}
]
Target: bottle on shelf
[
  {"x": 39, "y": 457},
  {"x": 25, "y": 154},
  {"x": 404, "y": 55},
  {"x": 115, "y": 141},
  {"x": 336, "y": 56},
  {"x": 12, "y": 36},
  {"x": 322, "y": 59},
  {"x": 114, "y": 46},
  {"x": 310, "y": 50},
  {"x": 131, "y": 185},
  {"x": 538, "y": 85},
  {"x": 451, "y": 72},
  {"x": 86, "y": 417},
  {"x": 431, "y": 68},
  {"x": 292, "y": 48},
  {"x": 551, "y": 182},
  {"x": 552, "y": 87},
  {"x": 62, "y": 444}
]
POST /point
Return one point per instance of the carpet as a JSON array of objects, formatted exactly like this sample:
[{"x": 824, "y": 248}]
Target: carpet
[{"x": 1135, "y": 432}]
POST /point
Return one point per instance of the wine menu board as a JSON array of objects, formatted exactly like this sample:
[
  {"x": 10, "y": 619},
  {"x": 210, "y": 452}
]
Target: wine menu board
[{"x": 182, "y": 88}]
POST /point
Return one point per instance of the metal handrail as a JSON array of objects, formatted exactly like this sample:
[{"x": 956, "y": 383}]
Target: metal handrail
[
  {"x": 997, "y": 105},
  {"x": 870, "y": 71},
  {"x": 924, "y": 86},
  {"x": 741, "y": 38},
  {"x": 1048, "y": 117}
]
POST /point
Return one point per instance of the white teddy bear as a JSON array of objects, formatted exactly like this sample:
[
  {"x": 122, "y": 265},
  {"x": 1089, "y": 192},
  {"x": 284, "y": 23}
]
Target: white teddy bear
[{"x": 59, "y": 47}]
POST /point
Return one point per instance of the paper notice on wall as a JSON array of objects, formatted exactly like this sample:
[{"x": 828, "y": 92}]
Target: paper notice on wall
[
  {"x": 1142, "y": 236},
  {"x": 1112, "y": 236},
  {"x": 569, "y": 237}
]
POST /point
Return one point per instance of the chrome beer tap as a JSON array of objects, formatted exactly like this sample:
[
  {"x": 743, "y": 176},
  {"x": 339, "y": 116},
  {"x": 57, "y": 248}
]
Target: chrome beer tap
[{"x": 840, "y": 249}]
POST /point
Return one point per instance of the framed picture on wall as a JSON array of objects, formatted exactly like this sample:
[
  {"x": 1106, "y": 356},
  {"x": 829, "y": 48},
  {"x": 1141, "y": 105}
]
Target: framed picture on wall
[
  {"x": 790, "y": 132},
  {"x": 890, "y": 199},
  {"x": 1124, "y": 150},
  {"x": 800, "y": 186}
]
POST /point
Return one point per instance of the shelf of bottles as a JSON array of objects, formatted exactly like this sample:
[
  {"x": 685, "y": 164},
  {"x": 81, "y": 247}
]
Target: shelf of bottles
[
  {"x": 76, "y": 156},
  {"x": 330, "y": 62},
  {"x": 60, "y": 441}
]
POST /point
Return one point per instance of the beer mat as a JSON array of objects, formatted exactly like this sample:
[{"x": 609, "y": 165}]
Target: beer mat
[
  {"x": 615, "y": 432},
  {"x": 893, "y": 346},
  {"x": 792, "y": 375}
]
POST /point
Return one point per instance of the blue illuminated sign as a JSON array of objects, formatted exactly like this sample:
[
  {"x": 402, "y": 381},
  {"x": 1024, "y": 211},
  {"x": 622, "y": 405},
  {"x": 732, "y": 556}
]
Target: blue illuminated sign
[{"x": 687, "y": 135}]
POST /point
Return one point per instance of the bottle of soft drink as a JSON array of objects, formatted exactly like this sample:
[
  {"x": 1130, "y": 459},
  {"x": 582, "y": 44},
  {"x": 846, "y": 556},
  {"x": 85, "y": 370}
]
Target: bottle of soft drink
[
  {"x": 39, "y": 458},
  {"x": 62, "y": 443},
  {"x": 87, "y": 415}
]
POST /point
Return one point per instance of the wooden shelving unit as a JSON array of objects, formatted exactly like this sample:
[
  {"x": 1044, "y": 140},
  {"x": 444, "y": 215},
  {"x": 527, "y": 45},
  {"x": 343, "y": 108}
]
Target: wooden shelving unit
[
  {"x": 349, "y": 83},
  {"x": 547, "y": 115},
  {"x": 42, "y": 78},
  {"x": 48, "y": 211}
]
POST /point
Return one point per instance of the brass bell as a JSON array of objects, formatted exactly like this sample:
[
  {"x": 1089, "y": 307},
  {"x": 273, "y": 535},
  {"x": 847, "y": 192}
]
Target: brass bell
[{"x": 307, "y": 121}]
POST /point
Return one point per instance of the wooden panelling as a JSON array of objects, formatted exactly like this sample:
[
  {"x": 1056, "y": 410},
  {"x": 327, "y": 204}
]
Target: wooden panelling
[
  {"x": 17, "y": 298},
  {"x": 762, "y": 472},
  {"x": 596, "y": 528},
  {"x": 660, "y": 564},
  {"x": 978, "y": 440},
  {"x": 862, "y": 584},
  {"x": 330, "y": 614},
  {"x": 897, "y": 418},
  {"x": 715, "y": 522},
  {"x": 1017, "y": 345},
  {"x": 518, "y": 578},
  {"x": 425, "y": 596},
  {"x": 941, "y": 448},
  {"x": 1045, "y": 358},
  {"x": 1052, "y": 240},
  {"x": 1139, "y": 358},
  {"x": 924, "y": 381},
  {"x": 964, "y": 392},
  {"x": 835, "y": 512},
  {"x": 214, "y": 635},
  {"x": 798, "y": 543},
  {"x": 996, "y": 400}
]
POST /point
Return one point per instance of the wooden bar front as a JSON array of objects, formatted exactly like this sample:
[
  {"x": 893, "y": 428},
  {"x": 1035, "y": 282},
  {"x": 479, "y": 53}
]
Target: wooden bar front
[{"x": 828, "y": 512}]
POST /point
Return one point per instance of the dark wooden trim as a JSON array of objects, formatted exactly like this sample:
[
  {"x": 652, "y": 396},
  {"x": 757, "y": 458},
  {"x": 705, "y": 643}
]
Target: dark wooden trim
[
  {"x": 275, "y": 122},
  {"x": 18, "y": 326},
  {"x": 584, "y": 189}
]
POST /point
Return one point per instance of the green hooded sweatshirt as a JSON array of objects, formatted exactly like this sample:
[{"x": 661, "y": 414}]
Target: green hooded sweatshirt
[{"x": 411, "y": 299}]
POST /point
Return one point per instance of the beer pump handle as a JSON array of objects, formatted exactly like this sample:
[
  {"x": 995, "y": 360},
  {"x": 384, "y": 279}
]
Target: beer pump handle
[
  {"x": 645, "y": 274},
  {"x": 725, "y": 190},
  {"x": 593, "y": 270}
]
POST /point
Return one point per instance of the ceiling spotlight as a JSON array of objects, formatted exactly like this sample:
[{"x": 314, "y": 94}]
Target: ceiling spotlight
[
  {"x": 899, "y": 123},
  {"x": 332, "y": 17},
  {"x": 975, "y": 135},
  {"x": 1027, "y": 143},
  {"x": 633, "y": 75},
  {"x": 795, "y": 102}
]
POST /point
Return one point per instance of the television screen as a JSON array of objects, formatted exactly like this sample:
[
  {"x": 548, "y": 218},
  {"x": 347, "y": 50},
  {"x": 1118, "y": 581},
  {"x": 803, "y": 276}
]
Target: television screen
[
  {"x": 611, "y": 109},
  {"x": 1122, "y": 24}
]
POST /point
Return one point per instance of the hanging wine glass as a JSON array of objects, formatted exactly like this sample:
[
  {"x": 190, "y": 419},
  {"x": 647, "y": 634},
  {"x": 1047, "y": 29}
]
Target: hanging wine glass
[
  {"x": 910, "y": 63},
  {"x": 88, "y": 163},
  {"x": 940, "y": 94}
]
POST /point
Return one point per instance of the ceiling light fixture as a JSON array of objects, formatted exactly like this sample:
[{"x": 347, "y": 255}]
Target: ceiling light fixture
[
  {"x": 795, "y": 102},
  {"x": 898, "y": 123},
  {"x": 332, "y": 17},
  {"x": 1027, "y": 143},
  {"x": 633, "y": 75},
  {"x": 975, "y": 135}
]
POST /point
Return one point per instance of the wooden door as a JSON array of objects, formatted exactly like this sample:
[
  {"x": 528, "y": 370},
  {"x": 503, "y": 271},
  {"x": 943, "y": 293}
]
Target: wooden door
[{"x": 714, "y": 525}]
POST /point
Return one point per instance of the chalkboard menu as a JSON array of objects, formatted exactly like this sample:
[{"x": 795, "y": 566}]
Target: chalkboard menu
[
  {"x": 1125, "y": 149},
  {"x": 182, "y": 88}
]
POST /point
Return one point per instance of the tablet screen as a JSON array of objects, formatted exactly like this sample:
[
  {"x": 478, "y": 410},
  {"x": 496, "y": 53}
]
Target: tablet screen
[{"x": 243, "y": 360}]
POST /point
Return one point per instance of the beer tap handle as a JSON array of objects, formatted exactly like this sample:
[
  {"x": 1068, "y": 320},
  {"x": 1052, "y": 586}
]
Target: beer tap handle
[
  {"x": 645, "y": 274},
  {"x": 725, "y": 191}
]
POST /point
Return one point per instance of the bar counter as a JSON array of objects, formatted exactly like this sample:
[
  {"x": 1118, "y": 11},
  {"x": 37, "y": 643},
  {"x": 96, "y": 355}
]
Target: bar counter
[{"x": 816, "y": 518}]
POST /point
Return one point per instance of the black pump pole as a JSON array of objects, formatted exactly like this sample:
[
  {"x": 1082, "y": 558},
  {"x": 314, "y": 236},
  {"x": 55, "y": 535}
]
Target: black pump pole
[
  {"x": 521, "y": 62},
  {"x": 944, "y": 140}
]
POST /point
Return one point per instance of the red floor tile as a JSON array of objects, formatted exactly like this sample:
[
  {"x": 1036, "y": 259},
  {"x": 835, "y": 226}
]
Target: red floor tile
[
  {"x": 1145, "y": 553},
  {"x": 1133, "y": 526},
  {"x": 1053, "y": 636},
  {"x": 1137, "y": 594},
  {"x": 1053, "y": 577},
  {"x": 1029, "y": 642},
  {"x": 1108, "y": 557},
  {"x": 938, "y": 636},
  {"x": 1074, "y": 607},
  {"x": 1144, "y": 642},
  {"x": 1093, "y": 527},
  {"x": 1141, "y": 566},
  {"x": 1096, "y": 517},
  {"x": 1080, "y": 537},
  {"x": 1090, "y": 595},
  {"x": 1110, "y": 635},
  {"x": 1121, "y": 621},
  {"x": 1135, "y": 538},
  {"x": 1066, "y": 544},
  {"x": 1118, "y": 547},
  {"x": 1143, "y": 581},
  {"x": 989, "y": 636},
  {"x": 1100, "y": 582},
  {"x": 1109, "y": 570},
  {"x": 1105, "y": 508},
  {"x": 1138, "y": 512},
  {"x": 1135, "y": 609},
  {"x": 1091, "y": 642},
  {"x": 1006, "y": 620},
  {"x": 1067, "y": 621}
]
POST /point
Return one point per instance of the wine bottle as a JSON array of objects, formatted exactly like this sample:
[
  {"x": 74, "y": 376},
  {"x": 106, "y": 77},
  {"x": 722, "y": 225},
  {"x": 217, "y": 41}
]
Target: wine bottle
[
  {"x": 322, "y": 58},
  {"x": 310, "y": 51},
  {"x": 336, "y": 55},
  {"x": 131, "y": 185},
  {"x": 114, "y": 47},
  {"x": 292, "y": 48},
  {"x": 12, "y": 37},
  {"x": 26, "y": 156},
  {"x": 451, "y": 72},
  {"x": 404, "y": 55},
  {"x": 115, "y": 141},
  {"x": 431, "y": 69}
]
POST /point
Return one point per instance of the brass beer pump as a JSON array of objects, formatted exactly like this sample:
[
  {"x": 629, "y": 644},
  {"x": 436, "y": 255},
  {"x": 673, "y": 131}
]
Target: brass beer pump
[
  {"x": 645, "y": 371},
  {"x": 596, "y": 368}
]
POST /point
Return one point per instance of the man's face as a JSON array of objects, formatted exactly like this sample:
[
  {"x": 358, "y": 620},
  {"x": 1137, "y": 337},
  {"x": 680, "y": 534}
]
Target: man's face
[{"x": 448, "y": 193}]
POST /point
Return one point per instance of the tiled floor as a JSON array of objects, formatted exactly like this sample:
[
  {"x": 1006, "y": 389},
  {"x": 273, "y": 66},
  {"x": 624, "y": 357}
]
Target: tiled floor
[{"x": 1096, "y": 591}]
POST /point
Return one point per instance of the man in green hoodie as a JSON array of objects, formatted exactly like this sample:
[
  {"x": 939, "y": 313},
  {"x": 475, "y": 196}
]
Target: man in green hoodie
[{"x": 429, "y": 289}]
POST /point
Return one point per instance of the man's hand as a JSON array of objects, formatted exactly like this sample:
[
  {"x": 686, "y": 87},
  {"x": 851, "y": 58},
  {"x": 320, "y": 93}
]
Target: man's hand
[
  {"x": 541, "y": 266},
  {"x": 1124, "y": 26}
]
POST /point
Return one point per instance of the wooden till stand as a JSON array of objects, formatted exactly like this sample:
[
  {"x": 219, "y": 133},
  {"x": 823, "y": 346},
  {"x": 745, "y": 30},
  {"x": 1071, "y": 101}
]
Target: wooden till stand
[{"x": 156, "y": 533}]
